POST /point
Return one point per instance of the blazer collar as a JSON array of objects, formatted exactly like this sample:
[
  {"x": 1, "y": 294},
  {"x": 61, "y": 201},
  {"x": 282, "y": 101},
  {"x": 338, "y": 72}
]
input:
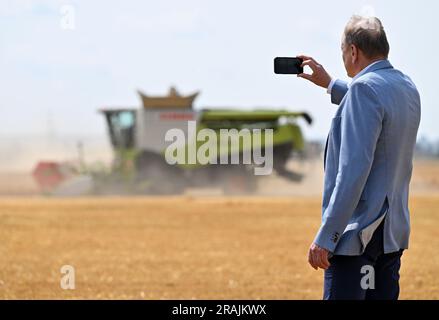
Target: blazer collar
[{"x": 381, "y": 64}]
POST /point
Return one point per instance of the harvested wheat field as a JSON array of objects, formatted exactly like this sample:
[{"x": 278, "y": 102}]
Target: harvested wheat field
[{"x": 184, "y": 248}]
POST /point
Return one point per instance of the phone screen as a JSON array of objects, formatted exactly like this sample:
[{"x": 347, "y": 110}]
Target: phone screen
[{"x": 283, "y": 65}]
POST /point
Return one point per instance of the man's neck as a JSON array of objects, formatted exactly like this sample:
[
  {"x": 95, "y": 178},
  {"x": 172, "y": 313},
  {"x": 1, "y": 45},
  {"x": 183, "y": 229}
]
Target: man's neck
[{"x": 367, "y": 63}]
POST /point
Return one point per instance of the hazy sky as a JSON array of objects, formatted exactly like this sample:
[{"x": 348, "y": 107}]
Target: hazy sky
[{"x": 53, "y": 78}]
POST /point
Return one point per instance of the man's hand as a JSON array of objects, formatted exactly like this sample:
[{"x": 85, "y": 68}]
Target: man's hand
[
  {"x": 318, "y": 257},
  {"x": 319, "y": 75}
]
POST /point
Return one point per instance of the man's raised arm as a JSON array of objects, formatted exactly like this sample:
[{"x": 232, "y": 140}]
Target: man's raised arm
[{"x": 336, "y": 88}]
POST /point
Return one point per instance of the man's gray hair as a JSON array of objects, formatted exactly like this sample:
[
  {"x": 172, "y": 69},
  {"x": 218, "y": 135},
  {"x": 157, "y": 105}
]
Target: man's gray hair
[{"x": 368, "y": 35}]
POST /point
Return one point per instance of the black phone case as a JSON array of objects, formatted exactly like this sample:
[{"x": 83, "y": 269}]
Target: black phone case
[{"x": 284, "y": 65}]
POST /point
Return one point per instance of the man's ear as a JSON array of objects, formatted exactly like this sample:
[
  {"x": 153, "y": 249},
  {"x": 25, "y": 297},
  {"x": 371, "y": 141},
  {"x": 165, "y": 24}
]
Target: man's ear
[{"x": 354, "y": 54}]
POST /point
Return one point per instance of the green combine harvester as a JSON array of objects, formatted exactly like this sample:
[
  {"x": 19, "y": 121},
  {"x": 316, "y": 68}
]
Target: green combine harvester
[{"x": 139, "y": 139}]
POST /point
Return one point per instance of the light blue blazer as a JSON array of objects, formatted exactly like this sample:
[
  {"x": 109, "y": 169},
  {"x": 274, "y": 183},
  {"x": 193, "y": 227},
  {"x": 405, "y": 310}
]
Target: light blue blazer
[{"x": 368, "y": 161}]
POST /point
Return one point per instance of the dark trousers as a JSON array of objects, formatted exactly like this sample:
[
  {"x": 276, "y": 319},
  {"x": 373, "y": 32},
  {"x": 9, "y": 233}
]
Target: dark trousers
[{"x": 371, "y": 276}]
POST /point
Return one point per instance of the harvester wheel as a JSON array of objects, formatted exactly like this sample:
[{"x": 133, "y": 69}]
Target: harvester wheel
[
  {"x": 281, "y": 154},
  {"x": 239, "y": 181},
  {"x": 155, "y": 176}
]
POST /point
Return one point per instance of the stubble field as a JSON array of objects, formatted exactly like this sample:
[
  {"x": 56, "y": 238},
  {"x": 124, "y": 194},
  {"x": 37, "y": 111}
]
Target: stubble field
[{"x": 183, "y": 248}]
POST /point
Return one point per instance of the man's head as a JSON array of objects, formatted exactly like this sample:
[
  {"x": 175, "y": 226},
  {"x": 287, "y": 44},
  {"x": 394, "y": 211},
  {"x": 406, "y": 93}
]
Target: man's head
[{"x": 364, "y": 41}]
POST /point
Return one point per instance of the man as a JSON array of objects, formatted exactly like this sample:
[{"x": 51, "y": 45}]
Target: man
[{"x": 368, "y": 165}]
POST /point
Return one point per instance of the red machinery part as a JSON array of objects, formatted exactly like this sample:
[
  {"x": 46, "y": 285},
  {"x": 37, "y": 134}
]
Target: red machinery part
[{"x": 48, "y": 175}]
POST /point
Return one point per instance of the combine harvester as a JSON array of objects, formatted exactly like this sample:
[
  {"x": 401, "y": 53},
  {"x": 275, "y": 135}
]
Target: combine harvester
[{"x": 138, "y": 140}]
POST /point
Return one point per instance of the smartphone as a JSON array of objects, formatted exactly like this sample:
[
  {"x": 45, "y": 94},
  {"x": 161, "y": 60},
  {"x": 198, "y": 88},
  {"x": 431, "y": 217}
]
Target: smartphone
[{"x": 284, "y": 65}]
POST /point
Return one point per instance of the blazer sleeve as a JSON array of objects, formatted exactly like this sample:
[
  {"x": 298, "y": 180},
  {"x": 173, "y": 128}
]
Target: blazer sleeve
[
  {"x": 361, "y": 126},
  {"x": 338, "y": 91}
]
